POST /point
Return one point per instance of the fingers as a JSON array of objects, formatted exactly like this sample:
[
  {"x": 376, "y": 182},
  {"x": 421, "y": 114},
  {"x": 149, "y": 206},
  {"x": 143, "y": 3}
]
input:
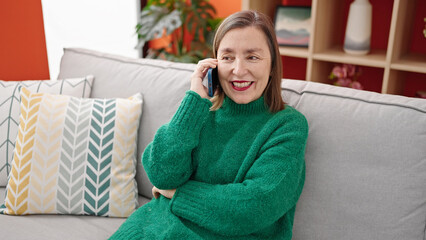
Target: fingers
[
  {"x": 199, "y": 74},
  {"x": 166, "y": 193},
  {"x": 204, "y": 65},
  {"x": 155, "y": 192},
  {"x": 208, "y": 63}
]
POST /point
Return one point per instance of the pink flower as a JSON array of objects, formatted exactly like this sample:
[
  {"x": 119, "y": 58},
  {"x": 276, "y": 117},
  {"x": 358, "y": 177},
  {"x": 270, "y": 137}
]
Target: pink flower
[
  {"x": 346, "y": 75},
  {"x": 356, "y": 85},
  {"x": 339, "y": 72},
  {"x": 350, "y": 69},
  {"x": 343, "y": 82}
]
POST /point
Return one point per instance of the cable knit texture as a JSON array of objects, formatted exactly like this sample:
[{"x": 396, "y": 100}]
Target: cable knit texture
[{"x": 238, "y": 171}]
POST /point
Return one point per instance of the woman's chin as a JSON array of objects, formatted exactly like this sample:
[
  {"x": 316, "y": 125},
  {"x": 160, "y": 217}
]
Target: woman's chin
[{"x": 242, "y": 99}]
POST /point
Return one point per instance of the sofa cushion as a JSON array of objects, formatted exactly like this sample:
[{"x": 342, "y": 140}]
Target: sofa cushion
[
  {"x": 365, "y": 164},
  {"x": 163, "y": 85},
  {"x": 59, "y": 226},
  {"x": 74, "y": 156},
  {"x": 10, "y": 110}
]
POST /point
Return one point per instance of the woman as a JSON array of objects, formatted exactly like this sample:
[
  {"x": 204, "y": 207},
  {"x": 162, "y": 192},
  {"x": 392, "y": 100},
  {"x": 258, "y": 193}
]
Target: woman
[{"x": 230, "y": 167}]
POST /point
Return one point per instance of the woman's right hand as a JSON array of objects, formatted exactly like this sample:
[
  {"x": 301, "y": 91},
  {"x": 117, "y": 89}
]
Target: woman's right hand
[
  {"x": 169, "y": 193},
  {"x": 199, "y": 74}
]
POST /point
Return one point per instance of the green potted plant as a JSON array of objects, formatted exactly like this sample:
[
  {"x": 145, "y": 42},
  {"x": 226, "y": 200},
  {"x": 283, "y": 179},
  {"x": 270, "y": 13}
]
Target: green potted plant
[{"x": 190, "y": 22}]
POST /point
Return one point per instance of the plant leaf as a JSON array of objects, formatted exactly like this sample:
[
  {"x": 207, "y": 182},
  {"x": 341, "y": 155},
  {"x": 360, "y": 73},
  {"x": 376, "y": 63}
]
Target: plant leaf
[
  {"x": 195, "y": 17},
  {"x": 156, "y": 20}
]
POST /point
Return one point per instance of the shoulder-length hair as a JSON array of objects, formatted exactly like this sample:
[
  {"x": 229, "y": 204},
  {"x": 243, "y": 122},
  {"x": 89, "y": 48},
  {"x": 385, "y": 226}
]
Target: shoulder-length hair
[{"x": 243, "y": 19}]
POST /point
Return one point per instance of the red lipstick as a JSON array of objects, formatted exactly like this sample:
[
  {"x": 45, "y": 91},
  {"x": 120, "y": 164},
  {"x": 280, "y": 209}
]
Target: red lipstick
[{"x": 241, "y": 85}]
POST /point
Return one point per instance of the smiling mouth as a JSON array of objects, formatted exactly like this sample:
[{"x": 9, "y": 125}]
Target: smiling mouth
[{"x": 241, "y": 85}]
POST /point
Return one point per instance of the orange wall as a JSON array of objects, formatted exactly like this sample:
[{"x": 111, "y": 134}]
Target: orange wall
[
  {"x": 23, "y": 54},
  {"x": 225, "y": 8}
]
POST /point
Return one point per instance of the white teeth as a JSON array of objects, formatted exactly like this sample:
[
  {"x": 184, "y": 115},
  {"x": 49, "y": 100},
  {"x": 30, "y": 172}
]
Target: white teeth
[{"x": 241, "y": 85}]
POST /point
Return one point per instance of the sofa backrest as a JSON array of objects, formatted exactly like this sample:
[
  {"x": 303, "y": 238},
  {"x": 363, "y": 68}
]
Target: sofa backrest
[
  {"x": 163, "y": 85},
  {"x": 365, "y": 157},
  {"x": 365, "y": 164}
]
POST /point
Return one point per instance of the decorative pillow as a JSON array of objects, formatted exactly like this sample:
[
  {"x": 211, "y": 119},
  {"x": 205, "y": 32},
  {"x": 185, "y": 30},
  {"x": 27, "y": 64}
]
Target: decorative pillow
[
  {"x": 10, "y": 110},
  {"x": 74, "y": 156}
]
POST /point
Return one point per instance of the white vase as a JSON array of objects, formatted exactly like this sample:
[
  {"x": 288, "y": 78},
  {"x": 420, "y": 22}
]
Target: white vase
[{"x": 358, "y": 28}]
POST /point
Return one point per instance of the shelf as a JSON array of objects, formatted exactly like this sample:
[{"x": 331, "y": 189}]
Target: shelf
[
  {"x": 394, "y": 28},
  {"x": 294, "y": 52},
  {"x": 411, "y": 63},
  {"x": 376, "y": 58}
]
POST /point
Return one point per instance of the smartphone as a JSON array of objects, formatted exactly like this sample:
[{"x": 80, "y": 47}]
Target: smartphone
[{"x": 212, "y": 81}]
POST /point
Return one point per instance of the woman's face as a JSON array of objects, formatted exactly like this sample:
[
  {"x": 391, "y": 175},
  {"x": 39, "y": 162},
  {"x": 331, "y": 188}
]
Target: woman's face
[{"x": 244, "y": 64}]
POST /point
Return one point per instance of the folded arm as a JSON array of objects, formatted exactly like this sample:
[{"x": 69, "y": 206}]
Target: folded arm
[
  {"x": 269, "y": 190},
  {"x": 167, "y": 159}
]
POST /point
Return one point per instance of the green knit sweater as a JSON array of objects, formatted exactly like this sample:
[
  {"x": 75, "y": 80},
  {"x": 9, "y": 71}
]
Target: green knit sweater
[{"x": 238, "y": 171}]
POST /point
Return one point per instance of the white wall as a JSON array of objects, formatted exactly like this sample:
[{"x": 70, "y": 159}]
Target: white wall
[{"x": 103, "y": 25}]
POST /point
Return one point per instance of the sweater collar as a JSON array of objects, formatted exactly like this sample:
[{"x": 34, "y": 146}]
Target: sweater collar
[{"x": 255, "y": 106}]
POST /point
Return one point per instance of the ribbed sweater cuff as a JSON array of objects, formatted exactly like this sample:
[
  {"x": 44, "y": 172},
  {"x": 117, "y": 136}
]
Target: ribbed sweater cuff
[
  {"x": 191, "y": 113},
  {"x": 189, "y": 200}
]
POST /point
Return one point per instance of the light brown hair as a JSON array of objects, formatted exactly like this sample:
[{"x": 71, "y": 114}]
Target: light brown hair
[{"x": 243, "y": 19}]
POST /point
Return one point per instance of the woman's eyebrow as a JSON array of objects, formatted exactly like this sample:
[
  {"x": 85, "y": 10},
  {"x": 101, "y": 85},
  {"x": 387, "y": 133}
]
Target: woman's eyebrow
[
  {"x": 227, "y": 50},
  {"x": 250, "y": 50}
]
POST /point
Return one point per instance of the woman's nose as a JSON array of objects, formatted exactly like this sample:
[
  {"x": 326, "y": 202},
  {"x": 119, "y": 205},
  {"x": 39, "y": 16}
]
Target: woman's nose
[{"x": 239, "y": 68}]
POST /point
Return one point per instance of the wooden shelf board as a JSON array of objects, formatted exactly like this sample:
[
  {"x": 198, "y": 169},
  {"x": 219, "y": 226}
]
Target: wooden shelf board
[
  {"x": 411, "y": 63},
  {"x": 325, "y": 46},
  {"x": 376, "y": 58},
  {"x": 294, "y": 52}
]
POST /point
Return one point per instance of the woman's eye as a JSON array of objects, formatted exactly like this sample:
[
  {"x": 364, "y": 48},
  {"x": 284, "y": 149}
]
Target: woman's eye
[
  {"x": 226, "y": 58},
  {"x": 253, "y": 58}
]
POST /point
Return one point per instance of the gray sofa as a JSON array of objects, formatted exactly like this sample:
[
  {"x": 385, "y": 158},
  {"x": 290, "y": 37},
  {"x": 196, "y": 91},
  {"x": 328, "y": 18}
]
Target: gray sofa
[{"x": 365, "y": 157}]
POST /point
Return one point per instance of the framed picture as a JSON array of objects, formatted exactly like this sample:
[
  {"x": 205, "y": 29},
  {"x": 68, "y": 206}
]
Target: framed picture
[{"x": 293, "y": 25}]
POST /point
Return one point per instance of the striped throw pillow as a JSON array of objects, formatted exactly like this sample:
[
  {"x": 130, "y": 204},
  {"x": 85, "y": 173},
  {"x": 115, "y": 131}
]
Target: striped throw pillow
[
  {"x": 74, "y": 156},
  {"x": 10, "y": 110}
]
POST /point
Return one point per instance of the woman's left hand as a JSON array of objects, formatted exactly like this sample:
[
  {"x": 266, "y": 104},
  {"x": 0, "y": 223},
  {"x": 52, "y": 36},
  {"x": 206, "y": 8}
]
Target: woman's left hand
[
  {"x": 199, "y": 74},
  {"x": 166, "y": 193}
]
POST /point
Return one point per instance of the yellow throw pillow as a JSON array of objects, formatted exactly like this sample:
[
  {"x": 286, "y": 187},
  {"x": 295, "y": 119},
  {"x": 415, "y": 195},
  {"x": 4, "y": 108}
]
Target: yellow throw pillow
[
  {"x": 74, "y": 156},
  {"x": 10, "y": 110}
]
